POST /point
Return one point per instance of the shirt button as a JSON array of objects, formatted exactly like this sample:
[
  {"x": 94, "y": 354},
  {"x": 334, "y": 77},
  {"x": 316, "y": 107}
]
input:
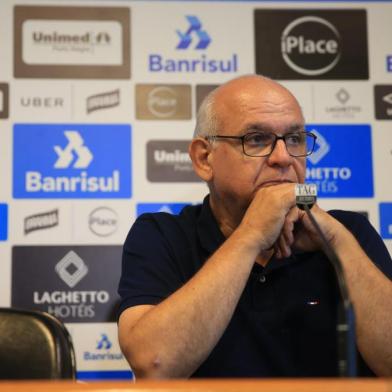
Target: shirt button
[{"x": 262, "y": 279}]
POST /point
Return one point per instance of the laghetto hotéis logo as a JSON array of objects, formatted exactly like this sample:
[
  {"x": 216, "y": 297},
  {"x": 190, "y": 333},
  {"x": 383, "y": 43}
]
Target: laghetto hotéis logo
[
  {"x": 74, "y": 161},
  {"x": 341, "y": 164}
]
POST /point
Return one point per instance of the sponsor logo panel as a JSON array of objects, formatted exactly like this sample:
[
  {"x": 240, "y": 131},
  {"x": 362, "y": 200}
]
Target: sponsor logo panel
[
  {"x": 342, "y": 102},
  {"x": 41, "y": 221},
  {"x": 72, "y": 161},
  {"x": 389, "y": 62},
  {"x": 4, "y": 100},
  {"x": 163, "y": 102},
  {"x": 383, "y": 101},
  {"x": 71, "y": 42},
  {"x": 101, "y": 101},
  {"x": 169, "y": 161},
  {"x": 74, "y": 283},
  {"x": 170, "y": 208},
  {"x": 385, "y": 210},
  {"x": 193, "y": 44},
  {"x": 103, "y": 221},
  {"x": 334, "y": 165},
  {"x": 3, "y": 222},
  {"x": 50, "y": 101},
  {"x": 311, "y": 44}
]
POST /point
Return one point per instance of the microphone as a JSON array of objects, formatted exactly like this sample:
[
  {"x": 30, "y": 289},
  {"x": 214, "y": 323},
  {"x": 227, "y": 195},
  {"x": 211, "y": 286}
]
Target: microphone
[{"x": 306, "y": 197}]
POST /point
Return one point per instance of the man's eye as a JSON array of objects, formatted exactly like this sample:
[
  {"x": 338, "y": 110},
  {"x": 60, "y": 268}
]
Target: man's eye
[
  {"x": 258, "y": 139},
  {"x": 295, "y": 139}
]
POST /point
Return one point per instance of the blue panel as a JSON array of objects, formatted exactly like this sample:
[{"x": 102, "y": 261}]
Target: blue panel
[
  {"x": 3, "y": 222},
  {"x": 341, "y": 165},
  {"x": 72, "y": 161},
  {"x": 386, "y": 220},
  {"x": 105, "y": 375},
  {"x": 171, "y": 208}
]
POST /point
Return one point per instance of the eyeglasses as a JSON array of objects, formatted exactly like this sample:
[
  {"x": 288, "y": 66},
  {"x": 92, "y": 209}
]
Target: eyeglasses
[{"x": 261, "y": 144}]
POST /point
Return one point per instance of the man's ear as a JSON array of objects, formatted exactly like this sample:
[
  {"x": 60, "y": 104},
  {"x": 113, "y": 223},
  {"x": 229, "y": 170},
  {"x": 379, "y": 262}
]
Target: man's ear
[{"x": 199, "y": 151}]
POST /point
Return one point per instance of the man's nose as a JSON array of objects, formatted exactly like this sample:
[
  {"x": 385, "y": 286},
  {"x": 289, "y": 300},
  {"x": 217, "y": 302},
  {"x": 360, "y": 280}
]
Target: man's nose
[{"x": 279, "y": 155}]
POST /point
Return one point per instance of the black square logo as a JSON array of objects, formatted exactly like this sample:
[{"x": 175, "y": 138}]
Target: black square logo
[
  {"x": 311, "y": 44},
  {"x": 4, "y": 100},
  {"x": 383, "y": 101}
]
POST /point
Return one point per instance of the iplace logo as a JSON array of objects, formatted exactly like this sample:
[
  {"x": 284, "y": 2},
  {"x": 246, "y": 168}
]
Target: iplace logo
[
  {"x": 311, "y": 44},
  {"x": 72, "y": 161},
  {"x": 169, "y": 161},
  {"x": 74, "y": 283},
  {"x": 71, "y": 42},
  {"x": 4, "y": 100},
  {"x": 103, "y": 221},
  {"x": 163, "y": 102},
  {"x": 334, "y": 165},
  {"x": 383, "y": 101}
]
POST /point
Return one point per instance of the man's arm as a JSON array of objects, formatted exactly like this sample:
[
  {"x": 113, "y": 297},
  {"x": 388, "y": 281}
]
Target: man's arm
[
  {"x": 370, "y": 290},
  {"x": 173, "y": 338}
]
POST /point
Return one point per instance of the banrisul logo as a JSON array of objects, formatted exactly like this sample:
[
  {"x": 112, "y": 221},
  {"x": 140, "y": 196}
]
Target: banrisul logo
[
  {"x": 72, "y": 161},
  {"x": 191, "y": 42},
  {"x": 170, "y": 208},
  {"x": 341, "y": 164}
]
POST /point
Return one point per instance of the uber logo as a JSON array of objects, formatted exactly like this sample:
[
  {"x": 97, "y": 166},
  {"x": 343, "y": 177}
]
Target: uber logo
[
  {"x": 311, "y": 44},
  {"x": 4, "y": 99},
  {"x": 383, "y": 101}
]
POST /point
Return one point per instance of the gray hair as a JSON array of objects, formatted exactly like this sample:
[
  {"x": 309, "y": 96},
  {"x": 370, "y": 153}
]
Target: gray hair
[{"x": 206, "y": 119}]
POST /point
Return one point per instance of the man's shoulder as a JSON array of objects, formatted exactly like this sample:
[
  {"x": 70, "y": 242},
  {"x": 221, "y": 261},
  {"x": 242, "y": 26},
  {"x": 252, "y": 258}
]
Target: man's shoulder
[{"x": 351, "y": 219}]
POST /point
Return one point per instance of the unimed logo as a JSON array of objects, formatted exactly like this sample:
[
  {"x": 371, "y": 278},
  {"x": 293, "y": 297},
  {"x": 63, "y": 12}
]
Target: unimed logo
[
  {"x": 170, "y": 208},
  {"x": 74, "y": 283},
  {"x": 71, "y": 42},
  {"x": 311, "y": 44},
  {"x": 72, "y": 161},
  {"x": 169, "y": 161},
  {"x": 341, "y": 165}
]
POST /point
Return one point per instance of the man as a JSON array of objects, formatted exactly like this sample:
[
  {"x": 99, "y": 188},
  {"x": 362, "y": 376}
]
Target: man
[{"x": 239, "y": 286}]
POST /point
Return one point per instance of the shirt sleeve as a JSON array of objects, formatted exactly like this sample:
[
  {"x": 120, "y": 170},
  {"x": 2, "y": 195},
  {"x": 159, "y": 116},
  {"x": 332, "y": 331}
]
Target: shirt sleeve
[
  {"x": 150, "y": 271},
  {"x": 368, "y": 238}
]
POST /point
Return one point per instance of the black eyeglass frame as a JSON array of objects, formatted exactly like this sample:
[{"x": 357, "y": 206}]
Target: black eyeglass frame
[{"x": 273, "y": 144}]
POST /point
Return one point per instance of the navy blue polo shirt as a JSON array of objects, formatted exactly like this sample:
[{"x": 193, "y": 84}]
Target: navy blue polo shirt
[{"x": 284, "y": 323}]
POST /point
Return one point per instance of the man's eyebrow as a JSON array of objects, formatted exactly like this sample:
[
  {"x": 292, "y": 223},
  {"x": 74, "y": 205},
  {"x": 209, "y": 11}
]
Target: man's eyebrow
[{"x": 261, "y": 127}]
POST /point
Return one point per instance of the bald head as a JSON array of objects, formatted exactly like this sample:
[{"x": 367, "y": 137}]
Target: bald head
[{"x": 238, "y": 96}]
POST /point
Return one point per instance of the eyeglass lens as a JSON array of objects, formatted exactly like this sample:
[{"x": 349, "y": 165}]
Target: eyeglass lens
[{"x": 262, "y": 143}]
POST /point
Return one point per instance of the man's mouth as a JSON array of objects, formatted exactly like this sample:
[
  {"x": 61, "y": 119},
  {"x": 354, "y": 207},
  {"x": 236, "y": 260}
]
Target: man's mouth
[{"x": 266, "y": 184}]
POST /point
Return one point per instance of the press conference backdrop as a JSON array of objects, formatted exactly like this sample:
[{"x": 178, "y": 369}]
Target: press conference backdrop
[{"x": 97, "y": 106}]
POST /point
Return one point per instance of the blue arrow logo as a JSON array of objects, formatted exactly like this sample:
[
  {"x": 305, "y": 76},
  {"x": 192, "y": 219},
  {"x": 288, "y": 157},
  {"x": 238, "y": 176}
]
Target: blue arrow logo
[{"x": 203, "y": 39}]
